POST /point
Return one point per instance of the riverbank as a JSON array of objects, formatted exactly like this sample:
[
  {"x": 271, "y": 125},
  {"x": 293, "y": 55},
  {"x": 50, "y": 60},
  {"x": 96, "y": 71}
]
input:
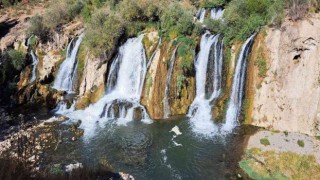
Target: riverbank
[{"x": 282, "y": 155}]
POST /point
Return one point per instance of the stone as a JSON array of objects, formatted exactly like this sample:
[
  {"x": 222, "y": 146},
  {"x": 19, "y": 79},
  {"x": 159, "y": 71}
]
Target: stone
[
  {"x": 69, "y": 168},
  {"x": 125, "y": 176},
  {"x": 289, "y": 97}
]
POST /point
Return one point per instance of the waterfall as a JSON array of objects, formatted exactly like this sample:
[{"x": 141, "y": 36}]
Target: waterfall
[
  {"x": 217, "y": 81},
  {"x": 154, "y": 53},
  {"x": 122, "y": 98},
  {"x": 34, "y": 61},
  {"x": 67, "y": 70},
  {"x": 34, "y": 66},
  {"x": 217, "y": 13},
  {"x": 235, "y": 103},
  {"x": 202, "y": 15},
  {"x": 166, "y": 105},
  {"x": 200, "y": 109}
]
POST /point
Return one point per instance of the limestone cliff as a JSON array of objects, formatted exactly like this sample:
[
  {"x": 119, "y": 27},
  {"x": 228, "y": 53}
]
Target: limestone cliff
[
  {"x": 287, "y": 98},
  {"x": 153, "y": 94}
]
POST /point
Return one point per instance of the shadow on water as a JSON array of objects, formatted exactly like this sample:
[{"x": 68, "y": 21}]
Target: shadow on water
[
  {"x": 157, "y": 151},
  {"x": 5, "y": 27}
]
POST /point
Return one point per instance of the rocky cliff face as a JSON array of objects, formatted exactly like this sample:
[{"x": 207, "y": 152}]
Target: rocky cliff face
[
  {"x": 155, "y": 83},
  {"x": 288, "y": 97}
]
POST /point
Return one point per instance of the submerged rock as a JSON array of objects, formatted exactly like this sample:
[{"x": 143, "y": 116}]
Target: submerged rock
[{"x": 125, "y": 176}]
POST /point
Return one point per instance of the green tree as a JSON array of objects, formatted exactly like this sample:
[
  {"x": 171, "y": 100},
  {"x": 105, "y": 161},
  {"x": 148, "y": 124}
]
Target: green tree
[{"x": 17, "y": 59}]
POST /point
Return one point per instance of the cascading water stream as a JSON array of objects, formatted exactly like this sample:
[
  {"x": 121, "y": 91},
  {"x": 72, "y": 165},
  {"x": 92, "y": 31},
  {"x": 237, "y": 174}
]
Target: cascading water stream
[
  {"x": 217, "y": 13},
  {"x": 154, "y": 53},
  {"x": 34, "y": 66},
  {"x": 217, "y": 81},
  {"x": 124, "y": 87},
  {"x": 67, "y": 71},
  {"x": 200, "y": 110},
  {"x": 166, "y": 105},
  {"x": 202, "y": 15},
  {"x": 235, "y": 103},
  {"x": 34, "y": 61}
]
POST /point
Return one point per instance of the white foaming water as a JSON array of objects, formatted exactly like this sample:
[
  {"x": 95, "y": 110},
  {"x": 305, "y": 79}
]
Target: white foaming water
[
  {"x": 217, "y": 13},
  {"x": 234, "y": 106},
  {"x": 166, "y": 105},
  {"x": 34, "y": 66},
  {"x": 202, "y": 15},
  {"x": 34, "y": 61},
  {"x": 176, "y": 130},
  {"x": 122, "y": 98},
  {"x": 217, "y": 81},
  {"x": 200, "y": 109},
  {"x": 67, "y": 71},
  {"x": 62, "y": 108}
]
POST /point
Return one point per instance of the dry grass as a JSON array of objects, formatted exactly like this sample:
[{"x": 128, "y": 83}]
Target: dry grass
[{"x": 286, "y": 165}]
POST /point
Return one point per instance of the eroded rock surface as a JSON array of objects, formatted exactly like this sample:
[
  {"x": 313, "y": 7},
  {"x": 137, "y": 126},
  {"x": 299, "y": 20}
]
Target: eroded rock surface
[{"x": 288, "y": 99}]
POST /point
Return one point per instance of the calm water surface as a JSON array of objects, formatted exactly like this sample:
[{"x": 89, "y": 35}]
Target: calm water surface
[{"x": 153, "y": 151}]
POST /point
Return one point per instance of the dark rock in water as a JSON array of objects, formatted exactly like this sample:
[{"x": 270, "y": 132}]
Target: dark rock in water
[
  {"x": 133, "y": 146},
  {"x": 138, "y": 114}
]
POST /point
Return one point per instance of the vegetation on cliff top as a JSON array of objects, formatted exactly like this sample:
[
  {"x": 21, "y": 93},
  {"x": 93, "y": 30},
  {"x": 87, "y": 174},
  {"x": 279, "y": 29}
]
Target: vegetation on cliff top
[{"x": 108, "y": 20}]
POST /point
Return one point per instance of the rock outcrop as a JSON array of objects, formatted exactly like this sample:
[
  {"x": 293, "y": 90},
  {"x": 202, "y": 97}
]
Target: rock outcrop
[
  {"x": 155, "y": 83},
  {"x": 288, "y": 97}
]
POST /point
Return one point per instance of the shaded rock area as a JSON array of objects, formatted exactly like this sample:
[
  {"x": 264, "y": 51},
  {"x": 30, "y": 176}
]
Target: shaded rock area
[{"x": 34, "y": 145}]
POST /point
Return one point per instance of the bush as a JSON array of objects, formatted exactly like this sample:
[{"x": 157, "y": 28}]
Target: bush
[
  {"x": 103, "y": 32},
  {"x": 243, "y": 17},
  {"x": 214, "y": 26},
  {"x": 300, "y": 143},
  {"x": 7, "y": 3},
  {"x": 198, "y": 29},
  {"x": 214, "y": 3},
  {"x": 177, "y": 19},
  {"x": 56, "y": 14},
  {"x": 38, "y": 28},
  {"x": 185, "y": 51},
  {"x": 262, "y": 66},
  {"x": 75, "y": 9},
  {"x": 265, "y": 141},
  {"x": 180, "y": 83},
  {"x": 297, "y": 9},
  {"x": 17, "y": 58}
]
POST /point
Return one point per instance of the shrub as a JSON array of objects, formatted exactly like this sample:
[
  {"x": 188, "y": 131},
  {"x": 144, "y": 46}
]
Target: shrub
[
  {"x": 185, "y": 51},
  {"x": 178, "y": 19},
  {"x": 75, "y": 9},
  {"x": 265, "y": 141},
  {"x": 297, "y": 9},
  {"x": 243, "y": 17},
  {"x": 103, "y": 32},
  {"x": 198, "y": 29},
  {"x": 262, "y": 66},
  {"x": 286, "y": 133},
  {"x": 214, "y": 26},
  {"x": 7, "y": 3},
  {"x": 180, "y": 83},
  {"x": 214, "y": 3},
  {"x": 38, "y": 28},
  {"x": 140, "y": 10},
  {"x": 300, "y": 143},
  {"x": 56, "y": 14},
  {"x": 17, "y": 58}
]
